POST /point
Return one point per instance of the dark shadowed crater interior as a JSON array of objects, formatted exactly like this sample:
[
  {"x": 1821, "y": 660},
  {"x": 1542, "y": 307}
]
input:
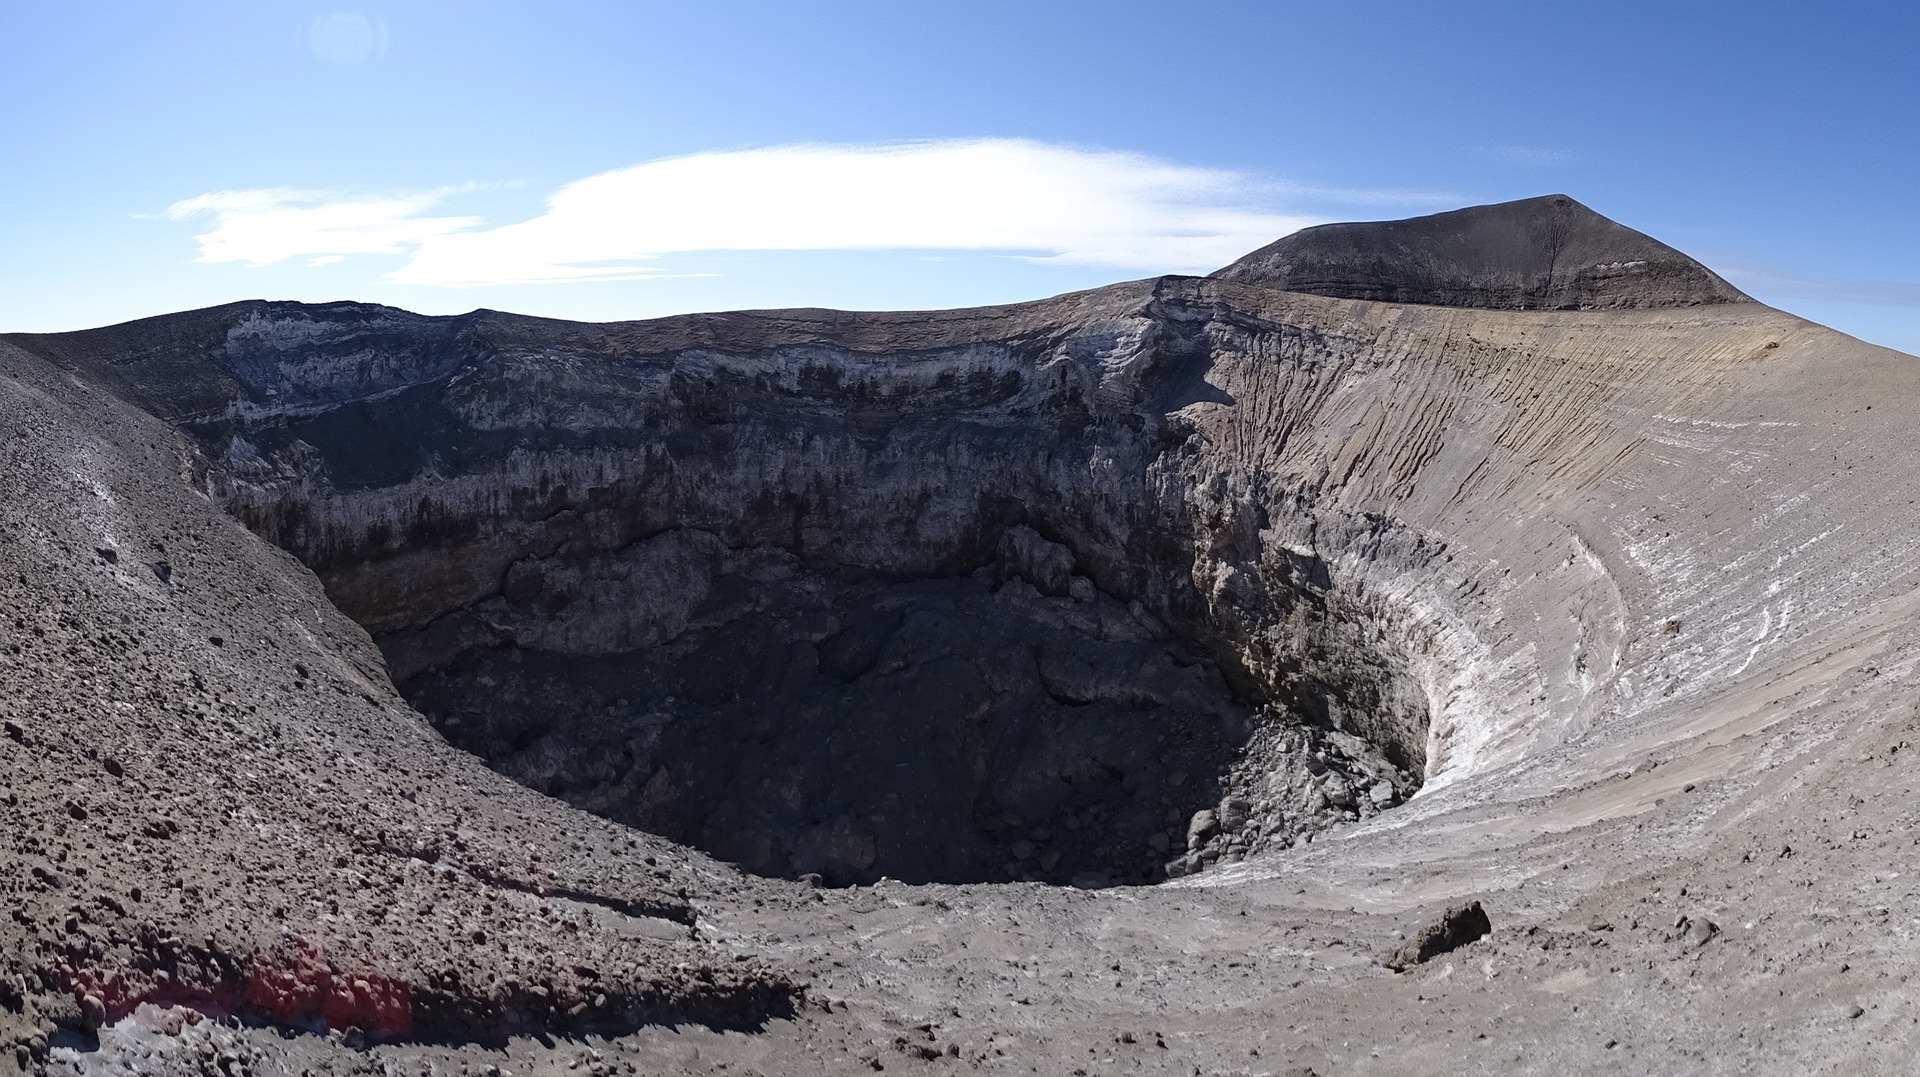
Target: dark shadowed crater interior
[
  {"x": 955, "y": 729},
  {"x": 1013, "y": 723}
]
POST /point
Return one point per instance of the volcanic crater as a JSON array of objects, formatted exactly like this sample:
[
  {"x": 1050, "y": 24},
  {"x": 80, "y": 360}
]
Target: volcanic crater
[
  {"x": 1505, "y": 554},
  {"x": 829, "y": 598}
]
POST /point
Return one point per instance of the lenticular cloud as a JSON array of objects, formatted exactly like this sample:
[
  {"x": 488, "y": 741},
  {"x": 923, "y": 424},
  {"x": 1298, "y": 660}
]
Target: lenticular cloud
[
  {"x": 1029, "y": 199},
  {"x": 262, "y": 227}
]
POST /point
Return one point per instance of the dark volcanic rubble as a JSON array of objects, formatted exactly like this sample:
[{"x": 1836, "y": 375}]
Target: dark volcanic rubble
[{"x": 1099, "y": 684}]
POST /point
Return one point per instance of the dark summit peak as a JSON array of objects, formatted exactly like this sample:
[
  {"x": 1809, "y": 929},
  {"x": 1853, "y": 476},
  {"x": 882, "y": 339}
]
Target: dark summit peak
[{"x": 1546, "y": 253}]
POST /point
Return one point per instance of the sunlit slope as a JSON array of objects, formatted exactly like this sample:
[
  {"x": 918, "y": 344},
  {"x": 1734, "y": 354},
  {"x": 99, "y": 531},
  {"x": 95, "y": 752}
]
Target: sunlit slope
[{"x": 1645, "y": 529}]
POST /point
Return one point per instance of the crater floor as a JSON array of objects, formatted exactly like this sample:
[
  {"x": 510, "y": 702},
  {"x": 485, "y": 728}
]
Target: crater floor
[{"x": 1105, "y": 684}]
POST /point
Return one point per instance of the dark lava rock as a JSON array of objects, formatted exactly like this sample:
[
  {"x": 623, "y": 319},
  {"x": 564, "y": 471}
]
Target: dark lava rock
[
  {"x": 1547, "y": 253},
  {"x": 1458, "y": 926}
]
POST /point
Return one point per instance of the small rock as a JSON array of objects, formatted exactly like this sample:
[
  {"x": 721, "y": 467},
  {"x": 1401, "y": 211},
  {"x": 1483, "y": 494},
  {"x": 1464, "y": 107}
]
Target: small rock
[
  {"x": 1234, "y": 813},
  {"x": 1382, "y": 794},
  {"x": 1021, "y": 849},
  {"x": 1337, "y": 791},
  {"x": 1047, "y": 565},
  {"x": 1159, "y": 842},
  {"x": 1699, "y": 931},
  {"x": 160, "y": 828},
  {"x": 1458, "y": 926},
  {"x": 1204, "y": 824}
]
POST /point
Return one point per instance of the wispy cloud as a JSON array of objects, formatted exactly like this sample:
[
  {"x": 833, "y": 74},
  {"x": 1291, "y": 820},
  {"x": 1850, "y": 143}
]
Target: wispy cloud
[
  {"x": 346, "y": 38},
  {"x": 1304, "y": 194},
  {"x": 1534, "y": 156},
  {"x": 1048, "y": 203},
  {"x": 1761, "y": 281}
]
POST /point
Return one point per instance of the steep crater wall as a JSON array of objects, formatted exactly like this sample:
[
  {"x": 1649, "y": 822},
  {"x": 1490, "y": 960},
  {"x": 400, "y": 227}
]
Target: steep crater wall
[{"x": 961, "y": 598}]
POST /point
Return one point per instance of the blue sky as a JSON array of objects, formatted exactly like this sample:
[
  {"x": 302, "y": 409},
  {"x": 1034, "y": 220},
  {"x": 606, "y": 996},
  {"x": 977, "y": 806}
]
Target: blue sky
[{"x": 629, "y": 159}]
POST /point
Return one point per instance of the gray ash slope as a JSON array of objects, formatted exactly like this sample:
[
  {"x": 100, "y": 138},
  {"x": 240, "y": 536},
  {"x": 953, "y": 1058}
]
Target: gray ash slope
[
  {"x": 1611, "y": 563},
  {"x": 214, "y": 797}
]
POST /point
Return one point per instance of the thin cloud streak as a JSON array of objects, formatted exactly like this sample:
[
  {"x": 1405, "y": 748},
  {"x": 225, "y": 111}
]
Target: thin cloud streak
[
  {"x": 1046, "y": 203},
  {"x": 1534, "y": 156},
  {"x": 1877, "y": 293},
  {"x": 1360, "y": 196}
]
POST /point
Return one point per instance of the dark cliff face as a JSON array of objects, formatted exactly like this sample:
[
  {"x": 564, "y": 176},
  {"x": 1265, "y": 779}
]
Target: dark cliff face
[{"x": 1548, "y": 253}]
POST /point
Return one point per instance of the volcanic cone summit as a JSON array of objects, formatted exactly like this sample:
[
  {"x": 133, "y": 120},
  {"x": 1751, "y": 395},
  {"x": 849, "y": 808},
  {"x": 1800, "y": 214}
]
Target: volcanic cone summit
[{"x": 1545, "y": 253}]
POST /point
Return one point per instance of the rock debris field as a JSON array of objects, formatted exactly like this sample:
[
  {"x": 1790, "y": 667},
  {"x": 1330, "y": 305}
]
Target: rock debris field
[{"x": 1479, "y": 643}]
